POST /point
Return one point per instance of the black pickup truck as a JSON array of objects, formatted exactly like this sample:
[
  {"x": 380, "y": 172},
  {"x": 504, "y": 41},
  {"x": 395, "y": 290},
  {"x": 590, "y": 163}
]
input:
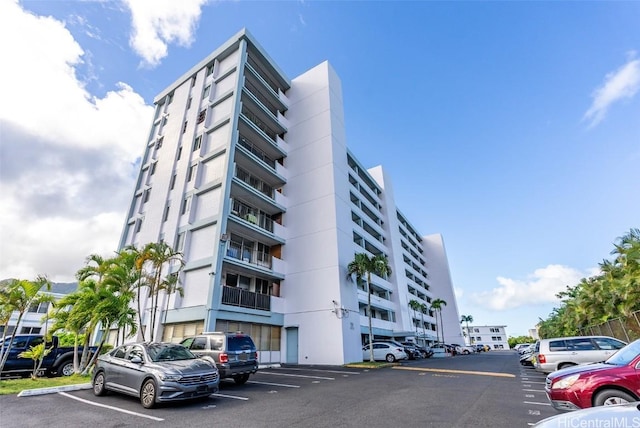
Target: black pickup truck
[{"x": 59, "y": 362}]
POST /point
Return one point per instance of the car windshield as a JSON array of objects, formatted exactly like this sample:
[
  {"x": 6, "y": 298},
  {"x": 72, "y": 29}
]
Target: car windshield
[
  {"x": 625, "y": 355},
  {"x": 167, "y": 352}
]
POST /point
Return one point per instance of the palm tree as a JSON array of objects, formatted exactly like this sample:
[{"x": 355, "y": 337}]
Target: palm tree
[
  {"x": 363, "y": 266},
  {"x": 157, "y": 255},
  {"x": 423, "y": 310},
  {"x": 19, "y": 296},
  {"x": 437, "y": 305},
  {"x": 467, "y": 319},
  {"x": 416, "y": 306}
]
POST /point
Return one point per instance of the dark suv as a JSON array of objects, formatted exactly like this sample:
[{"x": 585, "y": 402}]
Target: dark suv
[{"x": 235, "y": 354}]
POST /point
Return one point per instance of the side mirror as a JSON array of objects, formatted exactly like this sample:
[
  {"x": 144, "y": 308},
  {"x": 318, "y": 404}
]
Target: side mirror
[{"x": 136, "y": 360}]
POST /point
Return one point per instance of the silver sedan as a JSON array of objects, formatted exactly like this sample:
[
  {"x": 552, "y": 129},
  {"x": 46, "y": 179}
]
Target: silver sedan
[{"x": 155, "y": 372}]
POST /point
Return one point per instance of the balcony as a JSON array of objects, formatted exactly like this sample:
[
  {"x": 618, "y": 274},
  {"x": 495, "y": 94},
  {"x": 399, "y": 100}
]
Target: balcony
[
  {"x": 235, "y": 296},
  {"x": 238, "y": 251}
]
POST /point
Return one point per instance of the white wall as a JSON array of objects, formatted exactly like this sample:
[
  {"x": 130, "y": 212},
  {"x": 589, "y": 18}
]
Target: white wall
[
  {"x": 319, "y": 233},
  {"x": 442, "y": 287}
]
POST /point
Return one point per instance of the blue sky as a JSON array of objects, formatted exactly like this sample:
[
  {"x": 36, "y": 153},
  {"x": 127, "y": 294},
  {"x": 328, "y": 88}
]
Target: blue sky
[{"x": 512, "y": 128}]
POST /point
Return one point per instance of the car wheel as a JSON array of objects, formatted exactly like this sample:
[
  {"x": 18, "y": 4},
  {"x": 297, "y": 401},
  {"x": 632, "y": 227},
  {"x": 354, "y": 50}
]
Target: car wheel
[
  {"x": 465, "y": 352},
  {"x": 565, "y": 365},
  {"x": 241, "y": 379},
  {"x": 390, "y": 358},
  {"x": 98, "y": 384},
  {"x": 609, "y": 397},
  {"x": 148, "y": 394},
  {"x": 66, "y": 368}
]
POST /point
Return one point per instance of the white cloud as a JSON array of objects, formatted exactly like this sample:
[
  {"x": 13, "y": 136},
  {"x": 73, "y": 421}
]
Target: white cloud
[
  {"x": 539, "y": 288},
  {"x": 620, "y": 84},
  {"x": 161, "y": 22},
  {"x": 68, "y": 158}
]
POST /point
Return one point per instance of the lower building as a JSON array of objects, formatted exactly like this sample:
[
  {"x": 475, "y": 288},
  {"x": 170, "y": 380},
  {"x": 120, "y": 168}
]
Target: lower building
[
  {"x": 248, "y": 175},
  {"x": 495, "y": 336}
]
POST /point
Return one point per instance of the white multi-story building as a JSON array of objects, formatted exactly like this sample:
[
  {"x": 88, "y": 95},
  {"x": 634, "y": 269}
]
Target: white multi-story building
[
  {"x": 247, "y": 173},
  {"x": 493, "y": 335}
]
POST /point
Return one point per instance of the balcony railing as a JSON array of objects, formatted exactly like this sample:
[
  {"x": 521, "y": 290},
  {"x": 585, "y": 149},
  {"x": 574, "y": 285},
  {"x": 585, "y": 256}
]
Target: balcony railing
[
  {"x": 252, "y": 215},
  {"x": 235, "y": 296},
  {"x": 254, "y": 182},
  {"x": 238, "y": 251},
  {"x": 247, "y": 144},
  {"x": 259, "y": 124}
]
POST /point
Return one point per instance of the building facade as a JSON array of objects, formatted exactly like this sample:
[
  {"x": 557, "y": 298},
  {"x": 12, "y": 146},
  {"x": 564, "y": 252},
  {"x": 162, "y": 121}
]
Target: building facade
[
  {"x": 248, "y": 174},
  {"x": 494, "y": 336}
]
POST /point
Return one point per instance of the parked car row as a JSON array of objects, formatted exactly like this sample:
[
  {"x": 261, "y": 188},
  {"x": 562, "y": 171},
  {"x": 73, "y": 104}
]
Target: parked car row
[
  {"x": 391, "y": 351},
  {"x": 586, "y": 371}
]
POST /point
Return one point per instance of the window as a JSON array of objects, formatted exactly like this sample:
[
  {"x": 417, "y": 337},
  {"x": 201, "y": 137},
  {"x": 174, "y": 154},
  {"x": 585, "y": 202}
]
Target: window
[
  {"x": 39, "y": 308},
  {"x": 199, "y": 344},
  {"x": 138, "y": 225},
  {"x": 186, "y": 203},
  {"x": 192, "y": 172},
  {"x": 159, "y": 142},
  {"x": 206, "y": 92},
  {"x": 147, "y": 193},
  {"x": 189, "y": 103},
  {"x": 193, "y": 82},
  {"x": 197, "y": 143},
  {"x": 166, "y": 213},
  {"x": 201, "y": 116},
  {"x": 152, "y": 169},
  {"x": 180, "y": 242},
  {"x": 179, "y": 153},
  {"x": 209, "y": 69},
  {"x": 169, "y": 98},
  {"x": 31, "y": 330},
  {"x": 173, "y": 181},
  {"x": 184, "y": 127},
  {"x": 475, "y": 330}
]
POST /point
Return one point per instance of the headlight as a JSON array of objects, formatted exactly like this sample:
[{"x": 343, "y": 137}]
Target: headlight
[
  {"x": 565, "y": 382},
  {"x": 171, "y": 377}
]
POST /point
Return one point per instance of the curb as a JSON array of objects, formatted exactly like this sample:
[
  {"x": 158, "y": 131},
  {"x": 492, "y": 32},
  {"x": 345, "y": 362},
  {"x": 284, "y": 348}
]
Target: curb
[{"x": 54, "y": 389}]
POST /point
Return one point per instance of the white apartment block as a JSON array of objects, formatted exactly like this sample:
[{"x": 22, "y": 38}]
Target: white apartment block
[
  {"x": 493, "y": 335},
  {"x": 248, "y": 174}
]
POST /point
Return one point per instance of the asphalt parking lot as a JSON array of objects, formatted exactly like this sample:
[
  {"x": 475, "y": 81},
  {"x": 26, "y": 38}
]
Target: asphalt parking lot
[{"x": 488, "y": 390}]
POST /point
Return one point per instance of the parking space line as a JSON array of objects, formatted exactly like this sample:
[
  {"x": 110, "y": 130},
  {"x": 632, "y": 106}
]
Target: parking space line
[
  {"x": 274, "y": 384},
  {"x": 496, "y": 374},
  {"x": 538, "y": 404},
  {"x": 230, "y": 396},
  {"x": 117, "y": 409},
  {"x": 295, "y": 375},
  {"x": 533, "y": 381},
  {"x": 320, "y": 370},
  {"x": 533, "y": 390}
]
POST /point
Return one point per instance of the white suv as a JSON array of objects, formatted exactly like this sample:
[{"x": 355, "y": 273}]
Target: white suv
[{"x": 557, "y": 353}]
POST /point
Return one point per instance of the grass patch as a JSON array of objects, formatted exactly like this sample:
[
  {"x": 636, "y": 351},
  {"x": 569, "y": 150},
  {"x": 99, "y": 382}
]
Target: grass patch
[
  {"x": 15, "y": 386},
  {"x": 370, "y": 365}
]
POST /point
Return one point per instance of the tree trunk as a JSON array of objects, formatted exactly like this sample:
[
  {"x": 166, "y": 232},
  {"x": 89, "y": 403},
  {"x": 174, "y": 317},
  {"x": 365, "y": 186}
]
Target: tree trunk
[{"x": 371, "y": 359}]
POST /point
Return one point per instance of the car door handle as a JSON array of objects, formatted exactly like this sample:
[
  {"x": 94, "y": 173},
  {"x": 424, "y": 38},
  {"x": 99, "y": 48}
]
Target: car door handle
[{"x": 574, "y": 353}]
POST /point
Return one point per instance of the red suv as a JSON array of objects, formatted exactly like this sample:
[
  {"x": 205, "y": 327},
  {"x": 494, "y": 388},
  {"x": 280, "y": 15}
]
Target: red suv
[{"x": 615, "y": 381}]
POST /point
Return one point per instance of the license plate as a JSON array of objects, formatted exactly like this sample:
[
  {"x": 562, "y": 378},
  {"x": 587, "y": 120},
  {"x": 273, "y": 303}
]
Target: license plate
[{"x": 201, "y": 388}]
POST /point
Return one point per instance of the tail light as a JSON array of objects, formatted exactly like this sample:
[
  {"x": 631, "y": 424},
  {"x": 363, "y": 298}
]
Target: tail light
[
  {"x": 256, "y": 355},
  {"x": 542, "y": 359},
  {"x": 224, "y": 358}
]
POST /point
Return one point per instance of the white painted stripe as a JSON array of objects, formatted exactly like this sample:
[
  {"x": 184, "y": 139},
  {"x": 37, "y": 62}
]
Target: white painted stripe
[
  {"x": 295, "y": 375},
  {"x": 539, "y": 404},
  {"x": 230, "y": 396},
  {"x": 533, "y": 390},
  {"x": 532, "y": 381},
  {"x": 274, "y": 384},
  {"x": 117, "y": 409},
  {"x": 320, "y": 370}
]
